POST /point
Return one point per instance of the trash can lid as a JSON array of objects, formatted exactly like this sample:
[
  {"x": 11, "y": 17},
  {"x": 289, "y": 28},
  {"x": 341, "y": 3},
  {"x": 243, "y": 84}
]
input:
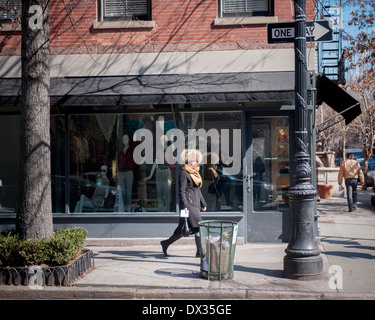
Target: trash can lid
[{"x": 217, "y": 223}]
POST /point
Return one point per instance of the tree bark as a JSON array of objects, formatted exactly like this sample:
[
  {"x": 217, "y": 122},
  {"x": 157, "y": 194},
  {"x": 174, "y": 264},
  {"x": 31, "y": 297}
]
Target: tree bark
[{"x": 34, "y": 214}]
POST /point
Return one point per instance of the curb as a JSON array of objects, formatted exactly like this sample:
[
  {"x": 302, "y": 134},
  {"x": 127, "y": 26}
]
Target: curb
[{"x": 129, "y": 293}]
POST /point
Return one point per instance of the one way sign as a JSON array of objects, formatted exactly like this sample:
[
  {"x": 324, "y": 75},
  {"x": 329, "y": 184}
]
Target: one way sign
[{"x": 283, "y": 32}]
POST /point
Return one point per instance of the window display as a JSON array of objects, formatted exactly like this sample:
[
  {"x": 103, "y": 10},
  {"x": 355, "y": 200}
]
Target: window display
[
  {"x": 9, "y": 169},
  {"x": 128, "y": 185},
  {"x": 140, "y": 151},
  {"x": 127, "y": 162},
  {"x": 270, "y": 139},
  {"x": 220, "y": 145}
]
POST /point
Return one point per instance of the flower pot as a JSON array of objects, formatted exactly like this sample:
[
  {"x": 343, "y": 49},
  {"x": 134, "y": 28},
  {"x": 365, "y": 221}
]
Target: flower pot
[{"x": 325, "y": 191}]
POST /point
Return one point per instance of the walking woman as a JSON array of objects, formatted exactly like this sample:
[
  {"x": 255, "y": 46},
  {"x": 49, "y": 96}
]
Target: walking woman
[{"x": 191, "y": 198}]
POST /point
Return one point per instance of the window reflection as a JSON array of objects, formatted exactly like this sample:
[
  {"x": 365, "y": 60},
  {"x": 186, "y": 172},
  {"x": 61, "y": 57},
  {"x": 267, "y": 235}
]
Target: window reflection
[
  {"x": 270, "y": 140},
  {"x": 9, "y": 169},
  {"x": 57, "y": 135},
  {"x": 222, "y": 169},
  {"x": 93, "y": 167},
  {"x": 127, "y": 186}
]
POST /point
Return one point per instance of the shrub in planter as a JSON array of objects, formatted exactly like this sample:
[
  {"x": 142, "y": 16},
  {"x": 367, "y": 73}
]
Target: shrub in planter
[
  {"x": 9, "y": 249},
  {"x": 32, "y": 251},
  {"x": 60, "y": 249},
  {"x": 61, "y": 259}
]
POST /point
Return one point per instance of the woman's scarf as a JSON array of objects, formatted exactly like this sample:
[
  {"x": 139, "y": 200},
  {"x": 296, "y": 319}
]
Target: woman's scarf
[
  {"x": 212, "y": 168},
  {"x": 193, "y": 171}
]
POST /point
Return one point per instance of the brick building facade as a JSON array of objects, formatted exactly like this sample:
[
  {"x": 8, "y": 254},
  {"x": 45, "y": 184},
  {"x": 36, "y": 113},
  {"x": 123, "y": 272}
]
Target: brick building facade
[{"x": 173, "y": 26}]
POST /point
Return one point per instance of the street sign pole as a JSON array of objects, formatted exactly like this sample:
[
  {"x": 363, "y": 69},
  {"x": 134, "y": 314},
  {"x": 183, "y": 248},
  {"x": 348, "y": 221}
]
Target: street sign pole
[{"x": 302, "y": 260}]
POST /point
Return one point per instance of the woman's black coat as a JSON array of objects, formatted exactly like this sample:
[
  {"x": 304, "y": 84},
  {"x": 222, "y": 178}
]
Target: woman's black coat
[{"x": 191, "y": 198}]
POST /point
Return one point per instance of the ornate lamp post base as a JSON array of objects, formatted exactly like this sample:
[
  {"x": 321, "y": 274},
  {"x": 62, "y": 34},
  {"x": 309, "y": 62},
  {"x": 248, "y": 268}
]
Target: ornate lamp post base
[
  {"x": 303, "y": 268},
  {"x": 302, "y": 260}
]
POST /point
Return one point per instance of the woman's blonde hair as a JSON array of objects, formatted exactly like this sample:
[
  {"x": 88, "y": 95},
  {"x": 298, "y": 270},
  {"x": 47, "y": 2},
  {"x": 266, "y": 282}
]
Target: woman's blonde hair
[{"x": 188, "y": 155}]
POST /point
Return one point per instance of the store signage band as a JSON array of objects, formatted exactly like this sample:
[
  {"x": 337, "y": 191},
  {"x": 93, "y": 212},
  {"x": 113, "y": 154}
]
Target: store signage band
[{"x": 283, "y": 32}]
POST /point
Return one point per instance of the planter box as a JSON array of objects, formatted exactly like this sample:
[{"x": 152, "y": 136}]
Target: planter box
[
  {"x": 325, "y": 190},
  {"x": 329, "y": 176},
  {"x": 48, "y": 276}
]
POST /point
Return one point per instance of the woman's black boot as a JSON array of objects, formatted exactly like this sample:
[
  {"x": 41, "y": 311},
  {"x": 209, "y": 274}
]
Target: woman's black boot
[
  {"x": 198, "y": 245},
  {"x": 166, "y": 243}
]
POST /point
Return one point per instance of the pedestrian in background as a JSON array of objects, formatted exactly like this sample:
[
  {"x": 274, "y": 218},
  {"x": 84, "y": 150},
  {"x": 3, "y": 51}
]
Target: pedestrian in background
[
  {"x": 191, "y": 198},
  {"x": 351, "y": 171}
]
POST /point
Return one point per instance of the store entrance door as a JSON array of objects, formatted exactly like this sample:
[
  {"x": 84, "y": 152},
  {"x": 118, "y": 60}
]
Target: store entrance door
[{"x": 268, "y": 177}]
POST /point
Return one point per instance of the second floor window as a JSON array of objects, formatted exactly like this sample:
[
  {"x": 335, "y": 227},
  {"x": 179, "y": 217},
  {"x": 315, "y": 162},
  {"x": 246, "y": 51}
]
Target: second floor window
[
  {"x": 240, "y": 8},
  {"x": 125, "y": 9},
  {"x": 10, "y": 9}
]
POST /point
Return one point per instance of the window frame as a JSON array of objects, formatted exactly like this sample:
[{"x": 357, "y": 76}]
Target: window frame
[
  {"x": 268, "y": 13},
  {"x": 6, "y": 18},
  {"x": 103, "y": 18}
]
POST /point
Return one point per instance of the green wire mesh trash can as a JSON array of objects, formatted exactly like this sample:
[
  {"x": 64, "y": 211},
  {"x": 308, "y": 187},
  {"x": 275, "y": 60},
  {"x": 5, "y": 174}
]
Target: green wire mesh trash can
[{"x": 218, "y": 245}]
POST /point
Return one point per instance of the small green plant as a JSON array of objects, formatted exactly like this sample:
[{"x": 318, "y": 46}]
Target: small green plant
[
  {"x": 9, "y": 249},
  {"x": 32, "y": 251},
  {"x": 60, "y": 249}
]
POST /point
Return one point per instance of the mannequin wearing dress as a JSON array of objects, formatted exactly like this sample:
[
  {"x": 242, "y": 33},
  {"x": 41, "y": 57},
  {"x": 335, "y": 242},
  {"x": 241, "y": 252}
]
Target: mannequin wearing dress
[
  {"x": 125, "y": 169},
  {"x": 163, "y": 179}
]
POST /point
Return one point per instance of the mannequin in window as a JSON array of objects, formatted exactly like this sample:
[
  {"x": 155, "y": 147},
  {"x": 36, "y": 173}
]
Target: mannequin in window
[
  {"x": 163, "y": 179},
  {"x": 125, "y": 169},
  {"x": 100, "y": 193}
]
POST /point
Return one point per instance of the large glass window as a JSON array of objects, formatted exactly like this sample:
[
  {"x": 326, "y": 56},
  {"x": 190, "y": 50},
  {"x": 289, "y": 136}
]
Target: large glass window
[
  {"x": 218, "y": 136},
  {"x": 58, "y": 163},
  {"x": 270, "y": 141},
  {"x": 120, "y": 162},
  {"x": 105, "y": 176},
  {"x": 10, "y": 156},
  {"x": 10, "y": 159}
]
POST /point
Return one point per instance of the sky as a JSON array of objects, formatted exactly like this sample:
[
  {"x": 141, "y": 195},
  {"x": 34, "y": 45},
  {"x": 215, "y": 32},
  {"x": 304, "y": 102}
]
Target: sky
[{"x": 346, "y": 17}]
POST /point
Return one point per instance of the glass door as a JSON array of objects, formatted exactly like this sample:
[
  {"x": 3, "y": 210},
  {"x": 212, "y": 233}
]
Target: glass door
[{"x": 268, "y": 177}]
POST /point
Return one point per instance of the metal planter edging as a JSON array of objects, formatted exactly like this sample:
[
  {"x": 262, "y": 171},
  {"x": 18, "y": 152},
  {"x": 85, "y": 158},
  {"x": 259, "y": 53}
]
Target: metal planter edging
[{"x": 51, "y": 275}]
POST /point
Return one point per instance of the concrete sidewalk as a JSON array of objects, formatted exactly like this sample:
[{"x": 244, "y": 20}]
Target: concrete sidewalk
[{"x": 347, "y": 241}]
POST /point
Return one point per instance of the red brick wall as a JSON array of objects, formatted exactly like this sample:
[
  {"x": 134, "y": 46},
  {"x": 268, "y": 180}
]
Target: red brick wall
[{"x": 181, "y": 25}]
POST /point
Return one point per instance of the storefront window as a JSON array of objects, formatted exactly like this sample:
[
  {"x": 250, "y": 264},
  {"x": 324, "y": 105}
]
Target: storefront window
[
  {"x": 99, "y": 162},
  {"x": 270, "y": 140},
  {"x": 9, "y": 168},
  {"x": 57, "y": 134},
  {"x": 104, "y": 174},
  {"x": 218, "y": 136},
  {"x": 10, "y": 158}
]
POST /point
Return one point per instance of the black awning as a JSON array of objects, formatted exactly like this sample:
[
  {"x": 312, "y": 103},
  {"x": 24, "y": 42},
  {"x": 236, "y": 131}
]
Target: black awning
[
  {"x": 156, "y": 89},
  {"x": 337, "y": 98}
]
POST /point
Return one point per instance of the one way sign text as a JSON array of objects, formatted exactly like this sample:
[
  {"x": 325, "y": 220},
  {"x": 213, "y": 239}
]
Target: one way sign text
[{"x": 284, "y": 32}]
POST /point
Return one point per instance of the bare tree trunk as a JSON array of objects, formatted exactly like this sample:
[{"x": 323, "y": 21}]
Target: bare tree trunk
[{"x": 34, "y": 214}]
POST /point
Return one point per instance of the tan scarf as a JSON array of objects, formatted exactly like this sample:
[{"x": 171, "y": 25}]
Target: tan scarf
[
  {"x": 193, "y": 171},
  {"x": 212, "y": 168}
]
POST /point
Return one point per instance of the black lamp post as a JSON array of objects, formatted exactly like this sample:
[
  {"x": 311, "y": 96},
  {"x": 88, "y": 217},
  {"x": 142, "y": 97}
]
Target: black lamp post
[{"x": 302, "y": 260}]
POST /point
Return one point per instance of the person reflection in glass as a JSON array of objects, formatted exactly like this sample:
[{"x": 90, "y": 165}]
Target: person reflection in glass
[{"x": 258, "y": 173}]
